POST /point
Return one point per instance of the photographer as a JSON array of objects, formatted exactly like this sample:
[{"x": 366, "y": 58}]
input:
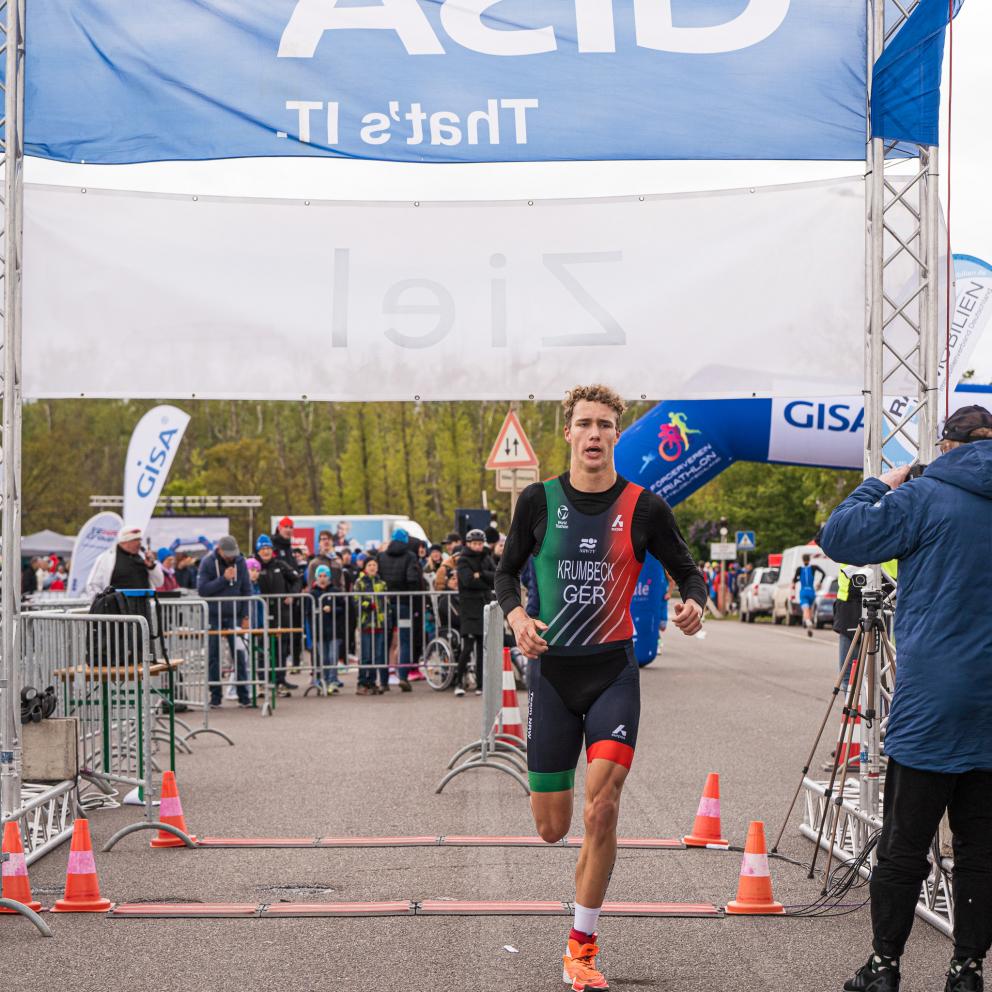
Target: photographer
[{"x": 939, "y": 738}]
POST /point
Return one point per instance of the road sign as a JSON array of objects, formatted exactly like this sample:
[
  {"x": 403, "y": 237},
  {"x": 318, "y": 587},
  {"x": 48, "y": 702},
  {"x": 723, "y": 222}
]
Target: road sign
[
  {"x": 510, "y": 480},
  {"x": 723, "y": 551},
  {"x": 512, "y": 449},
  {"x": 745, "y": 540}
]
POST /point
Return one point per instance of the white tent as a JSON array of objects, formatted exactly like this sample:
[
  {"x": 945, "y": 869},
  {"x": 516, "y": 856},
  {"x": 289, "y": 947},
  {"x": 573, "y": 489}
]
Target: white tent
[{"x": 46, "y": 542}]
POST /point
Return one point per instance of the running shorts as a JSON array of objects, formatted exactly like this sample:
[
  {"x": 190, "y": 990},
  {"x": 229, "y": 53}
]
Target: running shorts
[
  {"x": 592, "y": 697},
  {"x": 807, "y": 597}
]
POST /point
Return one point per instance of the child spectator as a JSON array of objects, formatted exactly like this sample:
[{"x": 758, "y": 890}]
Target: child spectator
[
  {"x": 372, "y": 618},
  {"x": 328, "y": 631}
]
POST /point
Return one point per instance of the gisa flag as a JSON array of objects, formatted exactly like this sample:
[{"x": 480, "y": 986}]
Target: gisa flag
[{"x": 149, "y": 458}]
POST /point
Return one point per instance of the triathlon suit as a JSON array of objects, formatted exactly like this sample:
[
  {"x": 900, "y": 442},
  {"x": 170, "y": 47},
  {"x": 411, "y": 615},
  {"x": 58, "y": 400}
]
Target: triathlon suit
[
  {"x": 806, "y": 576},
  {"x": 587, "y": 685}
]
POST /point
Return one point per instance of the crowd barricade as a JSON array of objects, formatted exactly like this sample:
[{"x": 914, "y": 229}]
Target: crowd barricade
[
  {"x": 373, "y": 632},
  {"x": 493, "y": 749},
  {"x": 185, "y": 630},
  {"x": 102, "y": 671},
  {"x": 237, "y": 637}
]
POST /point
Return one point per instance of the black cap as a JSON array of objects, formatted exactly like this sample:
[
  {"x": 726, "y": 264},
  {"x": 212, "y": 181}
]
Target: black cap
[
  {"x": 453, "y": 537},
  {"x": 492, "y": 535},
  {"x": 961, "y": 423}
]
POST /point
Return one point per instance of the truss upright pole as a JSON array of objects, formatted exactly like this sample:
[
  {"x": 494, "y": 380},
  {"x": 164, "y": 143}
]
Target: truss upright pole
[
  {"x": 12, "y": 13},
  {"x": 902, "y": 239}
]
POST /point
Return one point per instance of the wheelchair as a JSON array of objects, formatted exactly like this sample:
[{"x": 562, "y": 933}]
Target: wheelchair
[{"x": 441, "y": 658}]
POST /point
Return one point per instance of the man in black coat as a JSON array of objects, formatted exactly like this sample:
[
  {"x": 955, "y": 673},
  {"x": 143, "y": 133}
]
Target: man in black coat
[
  {"x": 280, "y": 580},
  {"x": 476, "y": 579},
  {"x": 399, "y": 568}
]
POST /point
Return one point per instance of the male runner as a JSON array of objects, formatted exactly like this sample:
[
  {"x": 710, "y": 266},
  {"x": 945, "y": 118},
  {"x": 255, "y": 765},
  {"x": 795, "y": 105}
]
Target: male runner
[
  {"x": 588, "y": 531},
  {"x": 805, "y": 576}
]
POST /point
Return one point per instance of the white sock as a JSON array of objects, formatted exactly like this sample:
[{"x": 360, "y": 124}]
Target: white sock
[{"x": 586, "y": 919}]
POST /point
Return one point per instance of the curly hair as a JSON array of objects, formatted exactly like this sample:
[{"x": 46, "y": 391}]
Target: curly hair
[{"x": 596, "y": 393}]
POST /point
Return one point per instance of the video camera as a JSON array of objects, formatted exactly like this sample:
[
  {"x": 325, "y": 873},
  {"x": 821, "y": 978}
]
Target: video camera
[{"x": 860, "y": 577}]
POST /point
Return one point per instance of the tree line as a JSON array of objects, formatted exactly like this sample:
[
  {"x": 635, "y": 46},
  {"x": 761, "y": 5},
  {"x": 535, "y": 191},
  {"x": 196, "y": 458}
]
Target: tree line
[{"x": 424, "y": 460}]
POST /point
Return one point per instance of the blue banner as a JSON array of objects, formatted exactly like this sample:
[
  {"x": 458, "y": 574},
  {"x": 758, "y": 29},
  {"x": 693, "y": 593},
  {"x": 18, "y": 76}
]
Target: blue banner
[
  {"x": 679, "y": 446},
  {"x": 906, "y": 77},
  {"x": 116, "y": 81}
]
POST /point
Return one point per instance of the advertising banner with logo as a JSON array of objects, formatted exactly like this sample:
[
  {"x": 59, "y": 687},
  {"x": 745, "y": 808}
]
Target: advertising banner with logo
[
  {"x": 149, "y": 458},
  {"x": 446, "y": 80},
  {"x": 649, "y": 291},
  {"x": 95, "y": 536},
  {"x": 679, "y": 446}
]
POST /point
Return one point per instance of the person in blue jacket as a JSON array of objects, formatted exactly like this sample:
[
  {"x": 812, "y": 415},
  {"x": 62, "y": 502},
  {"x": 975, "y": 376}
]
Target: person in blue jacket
[{"x": 939, "y": 738}]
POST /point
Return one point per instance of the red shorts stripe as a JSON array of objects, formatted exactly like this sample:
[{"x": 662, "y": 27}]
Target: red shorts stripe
[{"x": 619, "y": 754}]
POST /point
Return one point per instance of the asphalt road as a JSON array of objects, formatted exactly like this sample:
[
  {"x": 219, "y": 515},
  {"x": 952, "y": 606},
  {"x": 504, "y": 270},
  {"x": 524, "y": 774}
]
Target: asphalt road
[{"x": 744, "y": 702}]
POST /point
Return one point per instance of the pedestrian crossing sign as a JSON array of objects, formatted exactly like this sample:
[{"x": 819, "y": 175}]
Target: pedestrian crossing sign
[{"x": 745, "y": 540}]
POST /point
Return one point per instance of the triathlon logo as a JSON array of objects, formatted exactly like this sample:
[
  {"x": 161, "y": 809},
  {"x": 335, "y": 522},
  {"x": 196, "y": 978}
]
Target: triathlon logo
[
  {"x": 562, "y": 522},
  {"x": 618, "y": 523},
  {"x": 621, "y": 732},
  {"x": 587, "y": 544},
  {"x": 673, "y": 437}
]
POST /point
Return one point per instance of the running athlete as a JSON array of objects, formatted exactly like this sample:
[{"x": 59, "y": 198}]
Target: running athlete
[
  {"x": 588, "y": 531},
  {"x": 805, "y": 577}
]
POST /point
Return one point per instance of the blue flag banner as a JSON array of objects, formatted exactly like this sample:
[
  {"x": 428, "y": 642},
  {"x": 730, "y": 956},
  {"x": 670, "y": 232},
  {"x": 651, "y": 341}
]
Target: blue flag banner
[
  {"x": 906, "y": 78},
  {"x": 115, "y": 81}
]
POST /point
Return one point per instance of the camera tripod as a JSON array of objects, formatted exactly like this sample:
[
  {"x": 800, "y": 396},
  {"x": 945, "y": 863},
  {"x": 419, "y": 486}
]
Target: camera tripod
[{"x": 862, "y": 671}]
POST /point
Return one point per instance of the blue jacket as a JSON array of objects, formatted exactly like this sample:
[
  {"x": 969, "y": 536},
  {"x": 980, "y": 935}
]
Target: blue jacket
[
  {"x": 211, "y": 584},
  {"x": 940, "y": 528}
]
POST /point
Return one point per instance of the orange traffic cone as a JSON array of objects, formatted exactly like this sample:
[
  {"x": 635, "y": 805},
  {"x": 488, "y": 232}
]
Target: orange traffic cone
[
  {"x": 14, "y": 870},
  {"x": 170, "y": 811},
  {"x": 754, "y": 891},
  {"x": 851, "y": 754},
  {"x": 510, "y": 720},
  {"x": 82, "y": 890},
  {"x": 706, "y": 829}
]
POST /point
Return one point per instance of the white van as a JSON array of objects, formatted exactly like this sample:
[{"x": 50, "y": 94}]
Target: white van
[{"x": 785, "y": 606}]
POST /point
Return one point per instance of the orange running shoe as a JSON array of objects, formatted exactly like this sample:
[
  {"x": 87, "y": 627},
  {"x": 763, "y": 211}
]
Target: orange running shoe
[{"x": 580, "y": 968}]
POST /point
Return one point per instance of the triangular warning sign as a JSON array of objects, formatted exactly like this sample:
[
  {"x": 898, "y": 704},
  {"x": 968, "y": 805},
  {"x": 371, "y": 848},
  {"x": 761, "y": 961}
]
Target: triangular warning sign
[{"x": 512, "y": 449}]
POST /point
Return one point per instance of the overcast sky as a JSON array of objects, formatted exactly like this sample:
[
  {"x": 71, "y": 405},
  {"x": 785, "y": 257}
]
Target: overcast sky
[{"x": 971, "y": 152}]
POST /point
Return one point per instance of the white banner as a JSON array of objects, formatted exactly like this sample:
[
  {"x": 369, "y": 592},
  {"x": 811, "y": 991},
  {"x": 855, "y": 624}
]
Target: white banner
[
  {"x": 95, "y": 536},
  {"x": 163, "y": 532},
  {"x": 139, "y": 295},
  {"x": 149, "y": 458}
]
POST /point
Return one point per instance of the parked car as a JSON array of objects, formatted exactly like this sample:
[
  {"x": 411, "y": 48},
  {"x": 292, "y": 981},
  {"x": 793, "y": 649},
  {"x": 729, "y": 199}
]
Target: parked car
[
  {"x": 823, "y": 609},
  {"x": 757, "y": 595},
  {"x": 785, "y": 605}
]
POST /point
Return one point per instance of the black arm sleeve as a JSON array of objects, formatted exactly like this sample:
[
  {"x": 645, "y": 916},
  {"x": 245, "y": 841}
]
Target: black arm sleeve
[
  {"x": 664, "y": 540},
  {"x": 521, "y": 543}
]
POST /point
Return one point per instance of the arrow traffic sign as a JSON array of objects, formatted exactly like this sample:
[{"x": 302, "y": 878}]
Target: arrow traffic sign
[
  {"x": 745, "y": 540},
  {"x": 512, "y": 449}
]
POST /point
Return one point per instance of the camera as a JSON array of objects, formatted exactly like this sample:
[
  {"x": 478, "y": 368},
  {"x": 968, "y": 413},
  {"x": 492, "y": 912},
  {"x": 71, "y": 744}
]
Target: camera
[
  {"x": 917, "y": 469},
  {"x": 860, "y": 577}
]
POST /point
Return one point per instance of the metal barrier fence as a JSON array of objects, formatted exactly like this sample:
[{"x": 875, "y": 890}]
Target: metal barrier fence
[
  {"x": 324, "y": 634},
  {"x": 101, "y": 669},
  {"x": 184, "y": 640},
  {"x": 493, "y": 749}
]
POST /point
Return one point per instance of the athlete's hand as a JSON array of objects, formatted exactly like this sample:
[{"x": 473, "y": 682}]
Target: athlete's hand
[
  {"x": 689, "y": 617},
  {"x": 525, "y": 631}
]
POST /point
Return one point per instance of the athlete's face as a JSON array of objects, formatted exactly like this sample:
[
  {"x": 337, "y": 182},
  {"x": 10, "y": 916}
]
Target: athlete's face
[{"x": 592, "y": 435}]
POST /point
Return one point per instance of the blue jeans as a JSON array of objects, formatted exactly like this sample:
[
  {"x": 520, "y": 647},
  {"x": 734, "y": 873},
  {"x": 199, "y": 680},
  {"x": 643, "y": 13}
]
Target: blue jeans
[
  {"x": 403, "y": 665},
  {"x": 325, "y": 667},
  {"x": 843, "y": 646},
  {"x": 240, "y": 664},
  {"x": 373, "y": 653}
]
